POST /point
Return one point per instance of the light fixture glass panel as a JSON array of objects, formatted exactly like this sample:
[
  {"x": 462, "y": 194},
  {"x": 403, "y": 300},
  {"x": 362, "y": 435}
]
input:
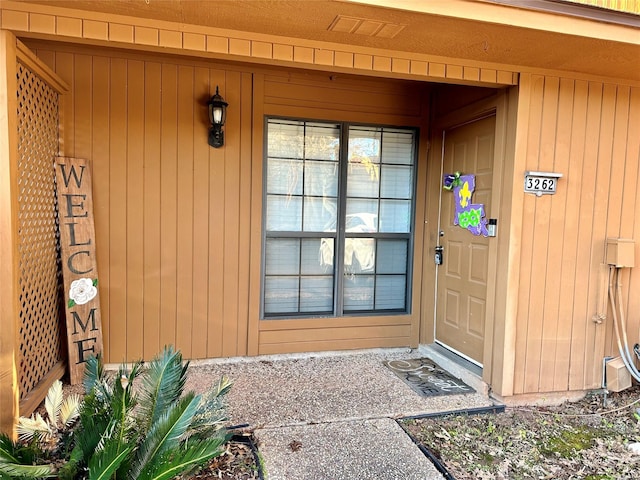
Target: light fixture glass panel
[{"x": 217, "y": 115}]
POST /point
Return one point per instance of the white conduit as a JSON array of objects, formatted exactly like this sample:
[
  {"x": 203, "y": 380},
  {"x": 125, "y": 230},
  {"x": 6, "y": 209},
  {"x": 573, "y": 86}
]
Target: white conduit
[{"x": 623, "y": 348}]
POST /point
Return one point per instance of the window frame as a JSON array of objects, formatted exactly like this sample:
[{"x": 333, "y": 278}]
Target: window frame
[{"x": 339, "y": 236}]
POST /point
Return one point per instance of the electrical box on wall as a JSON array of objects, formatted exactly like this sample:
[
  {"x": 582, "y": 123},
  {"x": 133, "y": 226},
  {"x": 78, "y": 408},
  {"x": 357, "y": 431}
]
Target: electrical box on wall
[
  {"x": 617, "y": 376},
  {"x": 621, "y": 252}
]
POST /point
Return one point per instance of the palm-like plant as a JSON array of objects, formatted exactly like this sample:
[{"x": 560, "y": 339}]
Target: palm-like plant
[
  {"x": 150, "y": 432},
  {"x": 61, "y": 415},
  {"x": 40, "y": 438}
]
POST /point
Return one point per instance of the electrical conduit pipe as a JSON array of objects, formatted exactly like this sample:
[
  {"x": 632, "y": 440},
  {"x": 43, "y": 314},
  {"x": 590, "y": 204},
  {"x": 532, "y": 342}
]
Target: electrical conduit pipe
[{"x": 622, "y": 346}]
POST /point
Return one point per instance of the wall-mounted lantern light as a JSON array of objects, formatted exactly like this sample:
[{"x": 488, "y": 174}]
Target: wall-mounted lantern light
[{"x": 217, "y": 117}]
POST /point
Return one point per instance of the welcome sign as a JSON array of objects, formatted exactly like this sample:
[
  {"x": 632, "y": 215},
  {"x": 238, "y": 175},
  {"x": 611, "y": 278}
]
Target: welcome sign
[{"x": 79, "y": 268}]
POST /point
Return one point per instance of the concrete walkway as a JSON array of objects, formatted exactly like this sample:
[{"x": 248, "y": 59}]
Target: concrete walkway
[{"x": 331, "y": 416}]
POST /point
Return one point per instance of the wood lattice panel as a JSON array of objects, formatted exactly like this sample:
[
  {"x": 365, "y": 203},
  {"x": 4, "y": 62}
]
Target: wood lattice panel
[{"x": 39, "y": 324}]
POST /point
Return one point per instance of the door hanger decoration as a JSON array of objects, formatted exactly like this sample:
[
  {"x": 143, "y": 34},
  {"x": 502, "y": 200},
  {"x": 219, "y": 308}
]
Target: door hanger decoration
[{"x": 470, "y": 216}]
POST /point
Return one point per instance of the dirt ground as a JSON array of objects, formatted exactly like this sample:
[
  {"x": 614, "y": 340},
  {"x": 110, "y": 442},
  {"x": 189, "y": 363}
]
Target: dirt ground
[
  {"x": 584, "y": 440},
  {"x": 237, "y": 463},
  {"x": 581, "y": 440}
]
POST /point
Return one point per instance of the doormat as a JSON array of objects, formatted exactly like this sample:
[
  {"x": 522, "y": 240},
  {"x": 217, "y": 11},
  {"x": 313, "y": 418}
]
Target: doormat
[{"x": 426, "y": 377}]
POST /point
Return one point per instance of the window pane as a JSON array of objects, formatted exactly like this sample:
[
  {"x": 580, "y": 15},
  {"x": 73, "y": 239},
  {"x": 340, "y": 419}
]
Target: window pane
[
  {"x": 284, "y": 176},
  {"x": 302, "y": 194},
  {"x": 390, "y": 292},
  {"x": 317, "y": 256},
  {"x": 364, "y": 145},
  {"x": 363, "y": 181},
  {"x": 316, "y": 294},
  {"x": 321, "y": 179},
  {"x": 359, "y": 255},
  {"x": 395, "y": 216},
  {"x": 282, "y": 256},
  {"x": 392, "y": 256},
  {"x": 322, "y": 141},
  {"x": 396, "y": 181},
  {"x": 284, "y": 213},
  {"x": 358, "y": 292},
  {"x": 363, "y": 174},
  {"x": 362, "y": 215},
  {"x": 397, "y": 147},
  {"x": 280, "y": 295},
  {"x": 285, "y": 139},
  {"x": 319, "y": 214}
]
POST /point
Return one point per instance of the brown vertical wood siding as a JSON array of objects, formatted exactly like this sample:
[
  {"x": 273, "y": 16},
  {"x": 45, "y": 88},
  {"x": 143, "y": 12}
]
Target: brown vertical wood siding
[
  {"x": 178, "y": 223},
  {"x": 368, "y": 101},
  {"x": 589, "y": 132},
  {"x": 171, "y": 212}
]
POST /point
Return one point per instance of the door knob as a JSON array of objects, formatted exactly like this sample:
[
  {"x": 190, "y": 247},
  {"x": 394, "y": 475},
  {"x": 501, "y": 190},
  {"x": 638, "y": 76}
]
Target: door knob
[{"x": 438, "y": 257}]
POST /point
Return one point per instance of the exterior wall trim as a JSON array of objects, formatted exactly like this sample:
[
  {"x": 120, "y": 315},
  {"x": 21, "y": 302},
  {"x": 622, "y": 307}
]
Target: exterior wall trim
[
  {"x": 80, "y": 26},
  {"x": 28, "y": 58},
  {"x": 9, "y": 393}
]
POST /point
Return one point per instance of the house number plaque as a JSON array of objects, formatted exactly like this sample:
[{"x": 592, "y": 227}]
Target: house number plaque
[{"x": 541, "y": 183}]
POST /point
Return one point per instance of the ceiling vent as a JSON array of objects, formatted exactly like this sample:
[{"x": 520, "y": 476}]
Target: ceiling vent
[{"x": 363, "y": 26}]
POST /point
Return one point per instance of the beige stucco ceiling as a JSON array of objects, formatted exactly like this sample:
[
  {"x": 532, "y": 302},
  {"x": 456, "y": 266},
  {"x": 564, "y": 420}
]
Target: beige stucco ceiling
[{"x": 432, "y": 33}]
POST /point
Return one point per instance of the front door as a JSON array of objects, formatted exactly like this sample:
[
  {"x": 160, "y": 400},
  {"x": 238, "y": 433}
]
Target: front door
[{"x": 462, "y": 276}]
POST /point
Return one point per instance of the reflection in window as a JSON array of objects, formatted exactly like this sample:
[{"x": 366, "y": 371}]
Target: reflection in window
[{"x": 338, "y": 220}]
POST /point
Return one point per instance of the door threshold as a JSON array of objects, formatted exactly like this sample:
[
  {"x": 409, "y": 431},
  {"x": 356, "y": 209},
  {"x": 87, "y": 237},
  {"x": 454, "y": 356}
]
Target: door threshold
[
  {"x": 457, "y": 358},
  {"x": 459, "y": 367}
]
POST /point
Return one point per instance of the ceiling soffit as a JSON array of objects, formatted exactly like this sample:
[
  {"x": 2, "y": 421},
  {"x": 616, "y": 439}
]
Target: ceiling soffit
[{"x": 395, "y": 30}]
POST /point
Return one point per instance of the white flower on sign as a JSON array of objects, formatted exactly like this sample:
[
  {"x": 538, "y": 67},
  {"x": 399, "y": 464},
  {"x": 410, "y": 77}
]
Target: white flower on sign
[{"x": 82, "y": 291}]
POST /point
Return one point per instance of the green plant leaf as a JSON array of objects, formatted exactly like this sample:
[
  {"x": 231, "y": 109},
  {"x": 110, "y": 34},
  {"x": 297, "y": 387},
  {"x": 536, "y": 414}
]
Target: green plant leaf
[
  {"x": 8, "y": 448},
  {"x": 93, "y": 373},
  {"x": 95, "y": 418},
  {"x": 71, "y": 303},
  {"x": 223, "y": 387},
  {"x": 105, "y": 462},
  {"x": 16, "y": 453},
  {"x": 210, "y": 416},
  {"x": 165, "y": 434},
  {"x": 95, "y": 282},
  {"x": 15, "y": 470},
  {"x": 183, "y": 460},
  {"x": 162, "y": 386}
]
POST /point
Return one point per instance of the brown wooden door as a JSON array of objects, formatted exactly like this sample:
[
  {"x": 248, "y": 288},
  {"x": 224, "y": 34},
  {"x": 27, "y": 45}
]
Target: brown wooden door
[{"x": 462, "y": 277}]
